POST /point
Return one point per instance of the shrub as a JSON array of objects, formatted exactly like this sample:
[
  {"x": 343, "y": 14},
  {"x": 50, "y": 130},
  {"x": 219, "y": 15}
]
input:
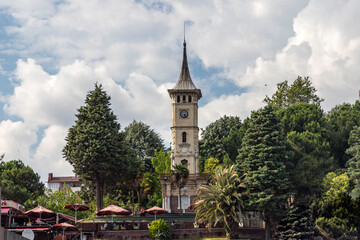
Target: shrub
[{"x": 160, "y": 230}]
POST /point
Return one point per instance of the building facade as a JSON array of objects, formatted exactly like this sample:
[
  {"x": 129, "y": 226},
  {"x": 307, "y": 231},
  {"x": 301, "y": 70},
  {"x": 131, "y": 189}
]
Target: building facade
[
  {"x": 184, "y": 142},
  {"x": 59, "y": 183}
]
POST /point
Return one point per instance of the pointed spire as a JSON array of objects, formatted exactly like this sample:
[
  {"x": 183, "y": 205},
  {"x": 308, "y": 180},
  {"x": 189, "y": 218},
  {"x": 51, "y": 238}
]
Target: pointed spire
[{"x": 184, "y": 80}]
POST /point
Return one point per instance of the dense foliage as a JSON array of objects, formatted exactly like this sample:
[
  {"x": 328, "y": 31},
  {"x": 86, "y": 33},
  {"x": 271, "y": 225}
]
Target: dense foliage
[
  {"x": 297, "y": 224},
  {"x": 262, "y": 160},
  {"x": 160, "y": 230},
  {"x": 211, "y": 144},
  {"x": 222, "y": 201},
  {"x": 95, "y": 147},
  {"x": 301, "y": 90},
  {"x": 144, "y": 141},
  {"x": 19, "y": 182}
]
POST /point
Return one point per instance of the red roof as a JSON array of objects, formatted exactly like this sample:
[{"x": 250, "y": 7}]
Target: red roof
[
  {"x": 5, "y": 210},
  {"x": 33, "y": 229},
  {"x": 72, "y": 179}
]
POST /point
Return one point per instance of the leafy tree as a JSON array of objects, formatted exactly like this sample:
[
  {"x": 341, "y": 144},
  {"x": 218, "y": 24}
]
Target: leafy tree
[
  {"x": 181, "y": 173},
  {"x": 151, "y": 189},
  {"x": 354, "y": 163},
  {"x": 160, "y": 230},
  {"x": 144, "y": 141},
  {"x": 300, "y": 91},
  {"x": 210, "y": 165},
  {"x": 211, "y": 144},
  {"x": 304, "y": 127},
  {"x": 340, "y": 121},
  {"x": 261, "y": 159},
  {"x": 337, "y": 214},
  {"x": 95, "y": 147},
  {"x": 222, "y": 201},
  {"x": 56, "y": 200},
  {"x": 19, "y": 182},
  {"x": 161, "y": 162},
  {"x": 297, "y": 224}
]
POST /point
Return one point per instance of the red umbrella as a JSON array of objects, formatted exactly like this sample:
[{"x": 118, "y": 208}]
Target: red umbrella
[
  {"x": 156, "y": 210},
  {"x": 111, "y": 210},
  {"x": 76, "y": 207},
  {"x": 63, "y": 226},
  {"x": 40, "y": 212}
]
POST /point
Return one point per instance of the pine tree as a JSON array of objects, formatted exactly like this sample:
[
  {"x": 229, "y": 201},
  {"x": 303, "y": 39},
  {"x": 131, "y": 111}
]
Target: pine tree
[
  {"x": 95, "y": 147},
  {"x": 296, "y": 225},
  {"x": 261, "y": 159}
]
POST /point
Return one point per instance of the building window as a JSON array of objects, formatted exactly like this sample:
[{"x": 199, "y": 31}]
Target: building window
[
  {"x": 184, "y": 162},
  {"x": 178, "y": 98},
  {"x": 184, "y": 99},
  {"x": 189, "y": 98},
  {"x": 184, "y": 137}
]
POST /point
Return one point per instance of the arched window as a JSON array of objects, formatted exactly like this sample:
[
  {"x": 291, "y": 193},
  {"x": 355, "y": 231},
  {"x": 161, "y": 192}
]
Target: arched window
[
  {"x": 184, "y": 99},
  {"x": 184, "y": 137},
  {"x": 189, "y": 98},
  {"x": 184, "y": 162},
  {"x": 178, "y": 98}
]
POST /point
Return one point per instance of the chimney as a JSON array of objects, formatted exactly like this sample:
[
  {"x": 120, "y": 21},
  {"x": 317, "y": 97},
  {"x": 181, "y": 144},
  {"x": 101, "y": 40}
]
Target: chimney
[{"x": 50, "y": 177}]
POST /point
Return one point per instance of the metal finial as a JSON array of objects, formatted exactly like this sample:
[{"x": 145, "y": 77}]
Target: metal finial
[{"x": 184, "y": 30}]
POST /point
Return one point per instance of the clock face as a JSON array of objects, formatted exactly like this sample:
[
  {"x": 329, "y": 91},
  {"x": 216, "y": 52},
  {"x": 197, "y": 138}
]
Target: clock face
[
  {"x": 184, "y": 114},
  {"x": 184, "y": 149}
]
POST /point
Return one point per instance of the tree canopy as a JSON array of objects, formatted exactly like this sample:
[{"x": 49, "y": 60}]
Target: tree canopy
[
  {"x": 262, "y": 160},
  {"x": 95, "y": 147},
  {"x": 144, "y": 141},
  {"x": 211, "y": 144},
  {"x": 19, "y": 182},
  {"x": 301, "y": 90}
]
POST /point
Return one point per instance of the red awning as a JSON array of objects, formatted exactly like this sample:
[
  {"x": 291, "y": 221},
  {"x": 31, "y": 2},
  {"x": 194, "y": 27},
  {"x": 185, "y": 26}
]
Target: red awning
[
  {"x": 33, "y": 229},
  {"x": 5, "y": 210}
]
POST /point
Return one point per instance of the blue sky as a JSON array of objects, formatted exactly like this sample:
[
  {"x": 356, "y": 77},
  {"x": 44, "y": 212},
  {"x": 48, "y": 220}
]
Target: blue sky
[{"x": 52, "y": 53}]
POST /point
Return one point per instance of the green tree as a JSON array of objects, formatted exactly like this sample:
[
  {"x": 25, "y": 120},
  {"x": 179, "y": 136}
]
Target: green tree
[
  {"x": 354, "y": 163},
  {"x": 337, "y": 214},
  {"x": 160, "y": 230},
  {"x": 19, "y": 182},
  {"x": 56, "y": 200},
  {"x": 161, "y": 162},
  {"x": 181, "y": 174},
  {"x": 300, "y": 91},
  {"x": 151, "y": 189},
  {"x": 304, "y": 127},
  {"x": 94, "y": 145},
  {"x": 340, "y": 121},
  {"x": 297, "y": 224},
  {"x": 211, "y": 144},
  {"x": 222, "y": 201},
  {"x": 144, "y": 141},
  {"x": 261, "y": 159}
]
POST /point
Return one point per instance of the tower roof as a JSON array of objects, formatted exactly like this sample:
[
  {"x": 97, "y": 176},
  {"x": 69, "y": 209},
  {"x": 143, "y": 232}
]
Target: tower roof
[{"x": 184, "y": 82}]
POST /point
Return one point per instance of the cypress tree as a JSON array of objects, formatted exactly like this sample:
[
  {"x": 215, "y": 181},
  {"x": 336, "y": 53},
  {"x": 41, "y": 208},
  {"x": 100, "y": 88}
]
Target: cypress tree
[
  {"x": 95, "y": 146},
  {"x": 261, "y": 159}
]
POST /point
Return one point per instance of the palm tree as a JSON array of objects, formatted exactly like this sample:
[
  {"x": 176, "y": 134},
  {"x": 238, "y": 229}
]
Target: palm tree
[
  {"x": 222, "y": 201},
  {"x": 181, "y": 174}
]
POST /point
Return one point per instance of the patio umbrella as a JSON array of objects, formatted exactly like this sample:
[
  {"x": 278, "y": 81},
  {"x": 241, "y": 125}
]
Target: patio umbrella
[
  {"x": 111, "y": 210},
  {"x": 76, "y": 207},
  {"x": 156, "y": 210},
  {"x": 63, "y": 226},
  {"x": 40, "y": 212}
]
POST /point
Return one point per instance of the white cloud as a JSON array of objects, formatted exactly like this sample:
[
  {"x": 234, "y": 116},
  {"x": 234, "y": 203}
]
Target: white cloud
[
  {"x": 48, "y": 155},
  {"x": 134, "y": 49},
  {"x": 16, "y": 139},
  {"x": 322, "y": 48}
]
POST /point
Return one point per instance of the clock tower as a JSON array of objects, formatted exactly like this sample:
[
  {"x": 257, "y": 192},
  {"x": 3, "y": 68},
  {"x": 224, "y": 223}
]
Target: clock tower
[{"x": 184, "y": 141}]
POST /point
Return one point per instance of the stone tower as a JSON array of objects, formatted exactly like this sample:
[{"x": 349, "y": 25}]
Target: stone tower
[{"x": 184, "y": 141}]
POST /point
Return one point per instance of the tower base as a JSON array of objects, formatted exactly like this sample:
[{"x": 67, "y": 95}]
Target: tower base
[{"x": 170, "y": 192}]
